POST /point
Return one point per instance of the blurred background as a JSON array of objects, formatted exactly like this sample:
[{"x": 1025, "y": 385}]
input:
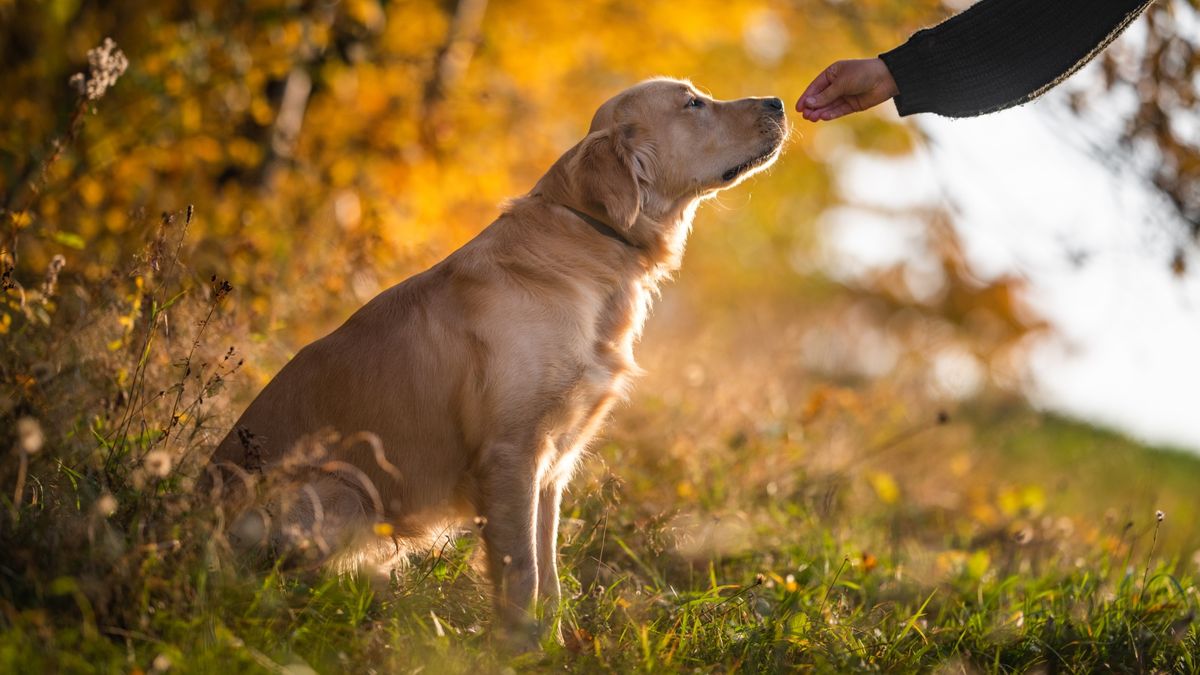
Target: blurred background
[
  {"x": 334, "y": 148},
  {"x": 934, "y": 351}
]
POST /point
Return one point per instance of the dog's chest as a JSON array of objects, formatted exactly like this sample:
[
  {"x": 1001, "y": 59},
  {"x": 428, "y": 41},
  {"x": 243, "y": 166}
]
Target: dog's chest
[{"x": 605, "y": 355}]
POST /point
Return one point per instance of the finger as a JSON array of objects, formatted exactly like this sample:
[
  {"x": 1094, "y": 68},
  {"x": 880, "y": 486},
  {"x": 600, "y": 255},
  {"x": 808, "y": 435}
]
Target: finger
[
  {"x": 814, "y": 114},
  {"x": 828, "y": 95},
  {"x": 819, "y": 84},
  {"x": 838, "y": 109}
]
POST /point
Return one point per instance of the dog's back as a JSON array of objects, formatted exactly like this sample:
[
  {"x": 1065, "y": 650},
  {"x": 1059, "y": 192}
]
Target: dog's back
[
  {"x": 398, "y": 404},
  {"x": 366, "y": 406}
]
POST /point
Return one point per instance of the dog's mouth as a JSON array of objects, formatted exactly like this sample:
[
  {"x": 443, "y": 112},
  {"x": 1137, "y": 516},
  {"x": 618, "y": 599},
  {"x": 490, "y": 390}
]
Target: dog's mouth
[{"x": 753, "y": 163}]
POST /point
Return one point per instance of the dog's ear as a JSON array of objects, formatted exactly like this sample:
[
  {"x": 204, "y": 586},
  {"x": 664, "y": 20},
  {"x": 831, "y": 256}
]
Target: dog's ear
[{"x": 603, "y": 176}]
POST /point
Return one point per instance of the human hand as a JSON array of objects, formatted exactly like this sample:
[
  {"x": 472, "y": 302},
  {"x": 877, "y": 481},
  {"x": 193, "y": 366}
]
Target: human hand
[{"x": 846, "y": 87}]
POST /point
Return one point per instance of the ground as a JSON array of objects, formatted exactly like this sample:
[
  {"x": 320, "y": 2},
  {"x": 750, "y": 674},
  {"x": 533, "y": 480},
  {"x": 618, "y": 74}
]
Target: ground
[{"x": 734, "y": 516}]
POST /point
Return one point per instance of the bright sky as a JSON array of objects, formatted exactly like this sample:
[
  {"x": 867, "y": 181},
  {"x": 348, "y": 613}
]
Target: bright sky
[{"x": 1030, "y": 199}]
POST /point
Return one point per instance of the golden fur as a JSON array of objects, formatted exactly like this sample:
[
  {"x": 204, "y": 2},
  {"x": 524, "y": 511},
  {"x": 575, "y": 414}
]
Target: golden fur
[{"x": 472, "y": 388}]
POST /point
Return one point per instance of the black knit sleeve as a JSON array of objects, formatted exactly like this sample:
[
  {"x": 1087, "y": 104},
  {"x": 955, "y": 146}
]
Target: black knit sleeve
[{"x": 1001, "y": 53}]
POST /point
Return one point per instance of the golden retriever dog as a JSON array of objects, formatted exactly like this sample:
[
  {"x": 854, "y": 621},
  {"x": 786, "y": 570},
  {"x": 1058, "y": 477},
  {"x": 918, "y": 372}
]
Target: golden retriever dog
[{"x": 470, "y": 390}]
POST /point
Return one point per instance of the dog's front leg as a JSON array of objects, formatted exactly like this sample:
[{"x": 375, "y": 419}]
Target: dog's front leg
[
  {"x": 549, "y": 500},
  {"x": 509, "y": 504}
]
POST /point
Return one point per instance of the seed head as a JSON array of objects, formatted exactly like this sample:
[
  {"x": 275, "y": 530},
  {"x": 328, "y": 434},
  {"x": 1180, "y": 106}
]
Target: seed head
[
  {"x": 50, "y": 282},
  {"x": 106, "y": 63},
  {"x": 157, "y": 463},
  {"x": 220, "y": 288},
  {"x": 106, "y": 505},
  {"x": 161, "y": 664},
  {"x": 30, "y": 437},
  {"x": 1159, "y": 516}
]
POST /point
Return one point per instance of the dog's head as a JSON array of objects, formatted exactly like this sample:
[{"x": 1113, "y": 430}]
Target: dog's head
[{"x": 662, "y": 144}]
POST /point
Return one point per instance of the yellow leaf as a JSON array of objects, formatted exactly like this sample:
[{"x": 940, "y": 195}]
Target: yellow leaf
[
  {"x": 984, "y": 513},
  {"x": 21, "y": 219},
  {"x": 1033, "y": 499},
  {"x": 68, "y": 239},
  {"x": 951, "y": 561},
  {"x": 885, "y": 487},
  {"x": 960, "y": 465},
  {"x": 1028, "y": 500},
  {"x": 190, "y": 118},
  {"x": 977, "y": 564}
]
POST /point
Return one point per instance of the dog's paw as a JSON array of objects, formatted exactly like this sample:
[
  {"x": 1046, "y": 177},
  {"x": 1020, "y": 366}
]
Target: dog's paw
[{"x": 519, "y": 635}]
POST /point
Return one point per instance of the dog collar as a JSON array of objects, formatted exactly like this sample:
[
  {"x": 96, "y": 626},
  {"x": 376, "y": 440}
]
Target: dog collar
[{"x": 600, "y": 226}]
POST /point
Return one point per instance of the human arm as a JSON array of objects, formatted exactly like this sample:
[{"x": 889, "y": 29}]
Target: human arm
[{"x": 994, "y": 55}]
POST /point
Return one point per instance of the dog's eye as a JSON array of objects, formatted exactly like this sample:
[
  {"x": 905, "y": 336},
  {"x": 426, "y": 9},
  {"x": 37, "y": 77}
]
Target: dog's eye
[{"x": 695, "y": 102}]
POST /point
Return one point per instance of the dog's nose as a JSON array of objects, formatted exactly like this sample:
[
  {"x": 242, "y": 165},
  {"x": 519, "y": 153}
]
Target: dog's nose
[{"x": 773, "y": 104}]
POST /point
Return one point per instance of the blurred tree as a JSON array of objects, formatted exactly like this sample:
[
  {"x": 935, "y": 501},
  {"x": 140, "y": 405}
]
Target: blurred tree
[
  {"x": 1161, "y": 134},
  {"x": 333, "y": 148}
]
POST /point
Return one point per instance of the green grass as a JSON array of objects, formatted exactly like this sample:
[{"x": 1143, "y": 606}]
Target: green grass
[
  {"x": 741, "y": 513},
  {"x": 669, "y": 570}
]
